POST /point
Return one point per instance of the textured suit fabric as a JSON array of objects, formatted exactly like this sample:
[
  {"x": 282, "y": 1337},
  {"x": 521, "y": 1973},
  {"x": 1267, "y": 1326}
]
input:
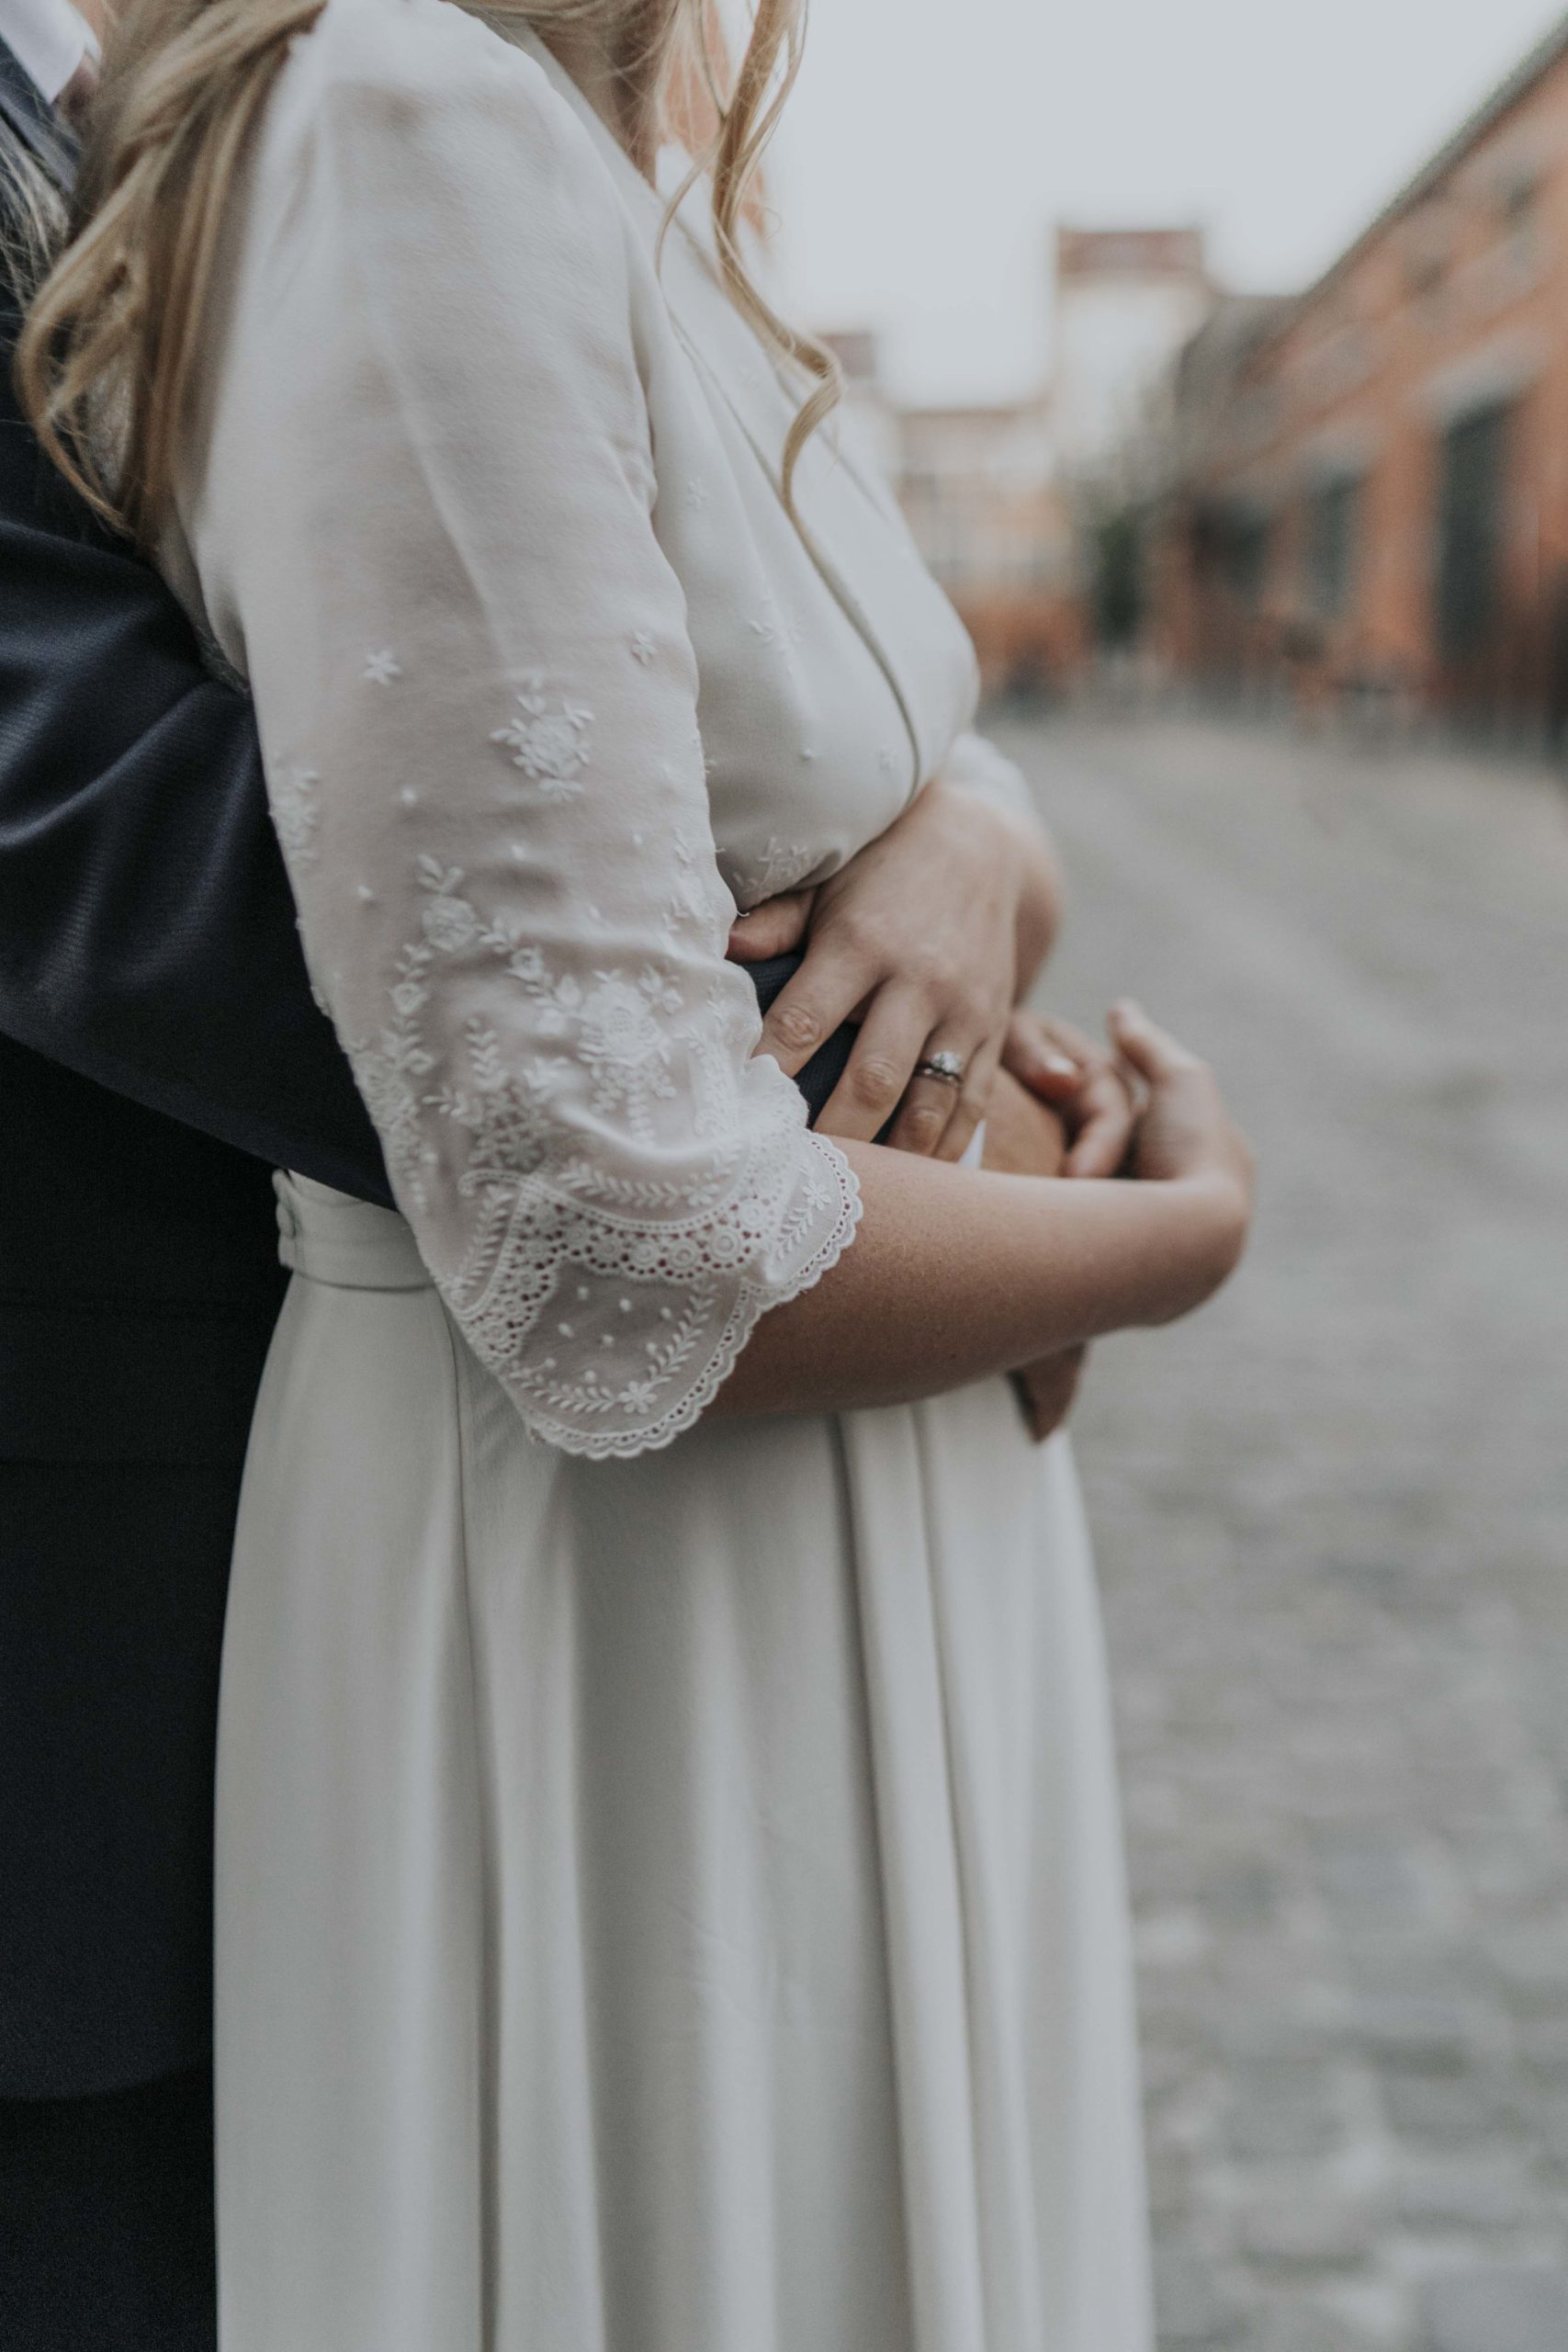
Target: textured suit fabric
[
  {"x": 107, "y": 2206},
  {"x": 159, "y": 1047},
  {"x": 30, "y": 120},
  {"x": 147, "y": 947}
]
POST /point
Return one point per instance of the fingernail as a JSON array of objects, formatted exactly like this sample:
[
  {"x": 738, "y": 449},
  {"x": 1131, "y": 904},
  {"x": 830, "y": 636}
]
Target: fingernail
[{"x": 1059, "y": 1065}]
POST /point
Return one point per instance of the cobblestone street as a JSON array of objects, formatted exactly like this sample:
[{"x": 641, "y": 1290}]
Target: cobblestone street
[{"x": 1332, "y": 1516}]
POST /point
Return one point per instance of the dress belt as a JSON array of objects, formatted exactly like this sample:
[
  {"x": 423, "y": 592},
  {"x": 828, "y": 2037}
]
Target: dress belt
[{"x": 350, "y": 1245}]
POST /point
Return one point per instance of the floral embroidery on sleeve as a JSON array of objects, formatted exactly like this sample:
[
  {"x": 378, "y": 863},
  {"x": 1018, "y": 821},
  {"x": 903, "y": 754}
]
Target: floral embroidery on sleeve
[
  {"x": 549, "y": 746},
  {"x": 295, "y": 812}
]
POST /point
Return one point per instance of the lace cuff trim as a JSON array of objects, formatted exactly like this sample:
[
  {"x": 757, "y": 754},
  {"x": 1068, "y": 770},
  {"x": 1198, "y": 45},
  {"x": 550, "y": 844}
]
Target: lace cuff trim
[{"x": 671, "y": 1306}]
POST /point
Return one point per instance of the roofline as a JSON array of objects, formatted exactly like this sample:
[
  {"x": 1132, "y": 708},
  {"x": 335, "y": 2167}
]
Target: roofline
[{"x": 1518, "y": 84}]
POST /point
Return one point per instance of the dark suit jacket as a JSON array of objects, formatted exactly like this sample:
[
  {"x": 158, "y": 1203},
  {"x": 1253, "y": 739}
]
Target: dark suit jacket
[{"x": 159, "y": 1052}]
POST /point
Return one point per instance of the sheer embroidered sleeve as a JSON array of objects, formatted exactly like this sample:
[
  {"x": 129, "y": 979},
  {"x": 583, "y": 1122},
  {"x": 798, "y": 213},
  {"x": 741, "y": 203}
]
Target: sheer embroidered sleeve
[{"x": 426, "y": 517}]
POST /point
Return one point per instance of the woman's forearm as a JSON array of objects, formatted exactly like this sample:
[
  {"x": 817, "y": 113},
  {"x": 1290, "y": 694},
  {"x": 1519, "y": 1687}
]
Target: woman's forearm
[{"x": 958, "y": 1274}]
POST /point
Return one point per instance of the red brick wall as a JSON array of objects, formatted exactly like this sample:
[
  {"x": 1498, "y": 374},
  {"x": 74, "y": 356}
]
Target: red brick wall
[{"x": 1461, "y": 298}]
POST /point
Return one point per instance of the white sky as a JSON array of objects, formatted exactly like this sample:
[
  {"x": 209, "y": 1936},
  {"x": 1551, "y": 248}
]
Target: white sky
[{"x": 929, "y": 144}]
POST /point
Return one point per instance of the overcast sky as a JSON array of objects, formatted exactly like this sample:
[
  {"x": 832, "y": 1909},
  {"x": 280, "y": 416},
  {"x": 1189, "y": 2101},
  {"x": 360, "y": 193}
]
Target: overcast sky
[{"x": 929, "y": 144}]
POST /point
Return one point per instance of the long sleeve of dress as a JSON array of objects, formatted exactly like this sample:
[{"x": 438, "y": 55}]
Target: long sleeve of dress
[{"x": 426, "y": 524}]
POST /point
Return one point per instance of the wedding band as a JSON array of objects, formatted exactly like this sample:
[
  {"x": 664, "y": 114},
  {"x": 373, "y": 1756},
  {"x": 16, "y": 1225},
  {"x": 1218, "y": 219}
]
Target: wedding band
[{"x": 946, "y": 1066}]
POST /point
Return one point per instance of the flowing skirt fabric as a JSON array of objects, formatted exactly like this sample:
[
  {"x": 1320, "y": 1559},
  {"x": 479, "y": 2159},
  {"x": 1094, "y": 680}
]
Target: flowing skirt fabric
[{"x": 666, "y": 1906}]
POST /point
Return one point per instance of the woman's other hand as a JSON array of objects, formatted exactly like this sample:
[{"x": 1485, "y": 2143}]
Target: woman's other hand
[
  {"x": 1094, "y": 1092},
  {"x": 1024, "y": 1137},
  {"x": 917, "y": 940},
  {"x": 1186, "y": 1136},
  {"x": 1153, "y": 1108}
]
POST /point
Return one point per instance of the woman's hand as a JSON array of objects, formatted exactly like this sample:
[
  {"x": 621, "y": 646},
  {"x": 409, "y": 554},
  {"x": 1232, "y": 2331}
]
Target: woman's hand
[
  {"x": 1185, "y": 1135},
  {"x": 1024, "y": 1137},
  {"x": 1184, "y": 1129},
  {"x": 916, "y": 939},
  {"x": 1093, "y": 1092}
]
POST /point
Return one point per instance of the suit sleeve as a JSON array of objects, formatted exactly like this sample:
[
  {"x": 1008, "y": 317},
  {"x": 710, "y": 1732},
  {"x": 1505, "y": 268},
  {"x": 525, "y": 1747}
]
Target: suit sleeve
[{"x": 147, "y": 929}]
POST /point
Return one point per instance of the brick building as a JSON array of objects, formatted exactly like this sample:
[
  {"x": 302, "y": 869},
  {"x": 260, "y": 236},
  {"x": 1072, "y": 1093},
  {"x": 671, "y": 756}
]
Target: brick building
[{"x": 1362, "y": 494}]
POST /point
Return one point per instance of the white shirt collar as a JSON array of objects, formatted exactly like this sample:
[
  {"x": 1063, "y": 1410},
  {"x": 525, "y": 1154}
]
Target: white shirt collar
[{"x": 47, "y": 38}]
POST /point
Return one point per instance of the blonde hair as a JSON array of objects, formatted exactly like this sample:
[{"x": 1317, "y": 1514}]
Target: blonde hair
[
  {"x": 32, "y": 221},
  {"x": 107, "y": 359}
]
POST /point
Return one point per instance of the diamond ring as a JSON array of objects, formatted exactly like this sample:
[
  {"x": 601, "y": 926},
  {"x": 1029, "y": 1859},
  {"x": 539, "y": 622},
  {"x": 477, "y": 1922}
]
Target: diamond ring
[{"x": 946, "y": 1066}]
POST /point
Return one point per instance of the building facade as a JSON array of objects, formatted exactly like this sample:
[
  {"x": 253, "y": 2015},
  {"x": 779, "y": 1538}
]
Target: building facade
[
  {"x": 997, "y": 494},
  {"x": 980, "y": 490},
  {"x": 1361, "y": 496}
]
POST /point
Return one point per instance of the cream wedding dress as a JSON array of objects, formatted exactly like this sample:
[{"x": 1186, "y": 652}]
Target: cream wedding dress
[{"x": 668, "y": 1889}]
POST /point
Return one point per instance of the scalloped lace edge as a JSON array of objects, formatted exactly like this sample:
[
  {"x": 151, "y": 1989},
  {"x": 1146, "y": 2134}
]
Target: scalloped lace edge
[{"x": 753, "y": 1302}]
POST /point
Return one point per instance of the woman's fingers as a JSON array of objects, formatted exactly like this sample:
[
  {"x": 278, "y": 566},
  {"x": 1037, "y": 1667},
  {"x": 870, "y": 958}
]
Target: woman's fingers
[
  {"x": 1038, "y": 1060},
  {"x": 980, "y": 1067},
  {"x": 892, "y": 1039},
  {"x": 1108, "y": 1115},
  {"x": 828, "y": 989},
  {"x": 938, "y": 1116},
  {"x": 926, "y": 1114},
  {"x": 1154, "y": 1053},
  {"x": 1098, "y": 1096},
  {"x": 776, "y": 928},
  {"x": 1104, "y": 1117}
]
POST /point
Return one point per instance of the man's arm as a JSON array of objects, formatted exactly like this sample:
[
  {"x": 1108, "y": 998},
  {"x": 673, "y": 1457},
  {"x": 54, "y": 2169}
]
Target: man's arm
[{"x": 147, "y": 930}]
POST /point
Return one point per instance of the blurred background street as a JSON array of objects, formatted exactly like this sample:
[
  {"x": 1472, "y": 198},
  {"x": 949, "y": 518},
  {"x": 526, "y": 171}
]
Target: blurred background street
[
  {"x": 1219, "y": 359},
  {"x": 1332, "y": 1518}
]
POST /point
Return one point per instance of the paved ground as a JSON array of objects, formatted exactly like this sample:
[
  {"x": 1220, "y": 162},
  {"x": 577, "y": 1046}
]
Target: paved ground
[{"x": 1333, "y": 1520}]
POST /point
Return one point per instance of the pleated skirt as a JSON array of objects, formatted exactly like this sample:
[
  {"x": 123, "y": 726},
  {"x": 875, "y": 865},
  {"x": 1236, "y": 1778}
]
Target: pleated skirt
[{"x": 665, "y": 1906}]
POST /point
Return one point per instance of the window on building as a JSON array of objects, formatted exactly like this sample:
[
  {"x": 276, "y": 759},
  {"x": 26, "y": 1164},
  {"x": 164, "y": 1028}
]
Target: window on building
[
  {"x": 1332, "y": 521},
  {"x": 1469, "y": 529},
  {"x": 1118, "y": 550},
  {"x": 1247, "y": 540}
]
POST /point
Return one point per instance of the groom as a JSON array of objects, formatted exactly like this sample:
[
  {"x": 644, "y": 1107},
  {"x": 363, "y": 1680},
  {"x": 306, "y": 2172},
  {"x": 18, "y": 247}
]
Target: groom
[{"x": 159, "y": 1051}]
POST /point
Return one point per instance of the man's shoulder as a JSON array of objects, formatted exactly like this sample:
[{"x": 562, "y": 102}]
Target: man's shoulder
[{"x": 30, "y": 129}]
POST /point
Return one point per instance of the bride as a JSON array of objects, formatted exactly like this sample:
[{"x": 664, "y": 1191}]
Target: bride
[{"x": 668, "y": 1891}]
